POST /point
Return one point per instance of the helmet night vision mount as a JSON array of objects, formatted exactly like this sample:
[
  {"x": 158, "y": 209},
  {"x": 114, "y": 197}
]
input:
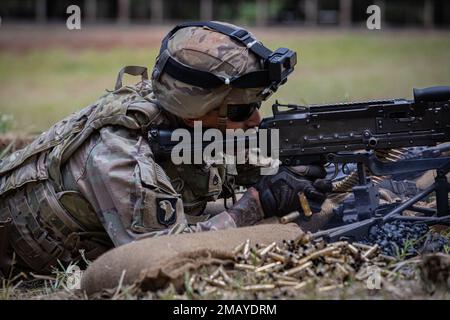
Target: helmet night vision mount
[{"x": 278, "y": 64}]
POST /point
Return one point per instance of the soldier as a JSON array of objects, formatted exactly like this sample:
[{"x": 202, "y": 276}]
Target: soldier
[{"x": 92, "y": 182}]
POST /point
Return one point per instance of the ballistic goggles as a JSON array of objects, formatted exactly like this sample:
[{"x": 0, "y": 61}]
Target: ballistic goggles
[
  {"x": 241, "y": 112},
  {"x": 278, "y": 64}
]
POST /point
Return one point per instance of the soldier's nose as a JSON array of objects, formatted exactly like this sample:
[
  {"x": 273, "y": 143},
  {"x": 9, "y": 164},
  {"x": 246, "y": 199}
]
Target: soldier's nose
[{"x": 254, "y": 120}]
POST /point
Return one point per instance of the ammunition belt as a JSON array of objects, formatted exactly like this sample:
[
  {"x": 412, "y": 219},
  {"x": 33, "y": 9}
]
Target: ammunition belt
[{"x": 351, "y": 180}]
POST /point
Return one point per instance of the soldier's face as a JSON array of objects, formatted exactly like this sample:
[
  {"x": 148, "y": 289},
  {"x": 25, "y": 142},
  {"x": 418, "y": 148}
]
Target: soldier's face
[{"x": 210, "y": 120}]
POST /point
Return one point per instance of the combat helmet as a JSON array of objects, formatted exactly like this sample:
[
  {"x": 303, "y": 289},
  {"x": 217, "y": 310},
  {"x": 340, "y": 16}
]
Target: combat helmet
[{"x": 204, "y": 66}]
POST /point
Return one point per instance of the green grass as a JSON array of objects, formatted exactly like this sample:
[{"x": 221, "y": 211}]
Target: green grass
[
  {"x": 40, "y": 87},
  {"x": 6, "y": 121}
]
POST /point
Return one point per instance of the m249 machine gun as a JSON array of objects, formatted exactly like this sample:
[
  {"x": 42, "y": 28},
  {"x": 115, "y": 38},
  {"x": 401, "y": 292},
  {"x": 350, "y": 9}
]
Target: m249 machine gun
[{"x": 356, "y": 133}]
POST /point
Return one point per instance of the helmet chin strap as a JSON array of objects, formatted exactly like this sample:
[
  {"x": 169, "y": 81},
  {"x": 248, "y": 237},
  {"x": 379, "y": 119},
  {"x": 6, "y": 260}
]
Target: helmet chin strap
[{"x": 222, "y": 118}]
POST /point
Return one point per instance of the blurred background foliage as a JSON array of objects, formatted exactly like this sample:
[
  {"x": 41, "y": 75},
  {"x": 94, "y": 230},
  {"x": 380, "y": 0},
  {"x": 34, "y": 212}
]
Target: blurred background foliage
[{"x": 395, "y": 12}]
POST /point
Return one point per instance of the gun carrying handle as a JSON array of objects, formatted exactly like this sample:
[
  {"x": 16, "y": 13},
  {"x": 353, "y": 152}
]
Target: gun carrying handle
[
  {"x": 432, "y": 94},
  {"x": 133, "y": 71}
]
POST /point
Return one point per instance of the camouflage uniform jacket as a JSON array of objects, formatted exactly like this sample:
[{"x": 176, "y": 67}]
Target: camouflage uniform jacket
[{"x": 94, "y": 172}]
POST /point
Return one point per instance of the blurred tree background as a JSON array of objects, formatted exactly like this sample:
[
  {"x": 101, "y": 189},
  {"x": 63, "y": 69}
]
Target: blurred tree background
[
  {"x": 427, "y": 13},
  {"x": 47, "y": 71}
]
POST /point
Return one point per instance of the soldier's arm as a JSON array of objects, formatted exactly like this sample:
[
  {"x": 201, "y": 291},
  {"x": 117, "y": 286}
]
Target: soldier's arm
[
  {"x": 245, "y": 212},
  {"x": 132, "y": 196}
]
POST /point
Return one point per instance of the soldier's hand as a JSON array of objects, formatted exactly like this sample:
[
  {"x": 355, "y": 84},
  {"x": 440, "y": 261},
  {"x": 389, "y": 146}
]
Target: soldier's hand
[{"x": 279, "y": 194}]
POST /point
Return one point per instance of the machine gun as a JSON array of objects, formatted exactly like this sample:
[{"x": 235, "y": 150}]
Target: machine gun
[{"x": 355, "y": 133}]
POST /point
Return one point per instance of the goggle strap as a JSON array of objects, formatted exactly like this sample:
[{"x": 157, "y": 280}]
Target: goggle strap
[
  {"x": 240, "y": 35},
  {"x": 190, "y": 75},
  {"x": 204, "y": 79},
  {"x": 254, "y": 79}
]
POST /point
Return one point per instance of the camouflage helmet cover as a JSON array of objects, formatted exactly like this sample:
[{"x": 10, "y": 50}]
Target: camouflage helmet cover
[{"x": 206, "y": 50}]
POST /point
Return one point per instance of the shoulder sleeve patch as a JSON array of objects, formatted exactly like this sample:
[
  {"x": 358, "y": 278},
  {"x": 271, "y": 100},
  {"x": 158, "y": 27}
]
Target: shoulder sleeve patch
[{"x": 166, "y": 210}]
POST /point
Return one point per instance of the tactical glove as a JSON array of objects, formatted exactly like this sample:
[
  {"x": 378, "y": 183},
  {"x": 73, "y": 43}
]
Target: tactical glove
[{"x": 279, "y": 193}]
